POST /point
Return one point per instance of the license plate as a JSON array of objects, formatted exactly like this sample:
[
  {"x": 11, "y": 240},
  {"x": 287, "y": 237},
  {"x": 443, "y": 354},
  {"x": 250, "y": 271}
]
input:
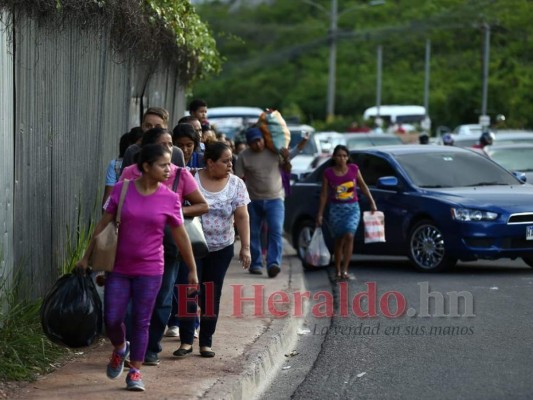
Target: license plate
[{"x": 529, "y": 232}]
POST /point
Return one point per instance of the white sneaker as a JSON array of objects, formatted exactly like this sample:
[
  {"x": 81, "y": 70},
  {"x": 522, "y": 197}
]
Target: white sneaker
[
  {"x": 196, "y": 333},
  {"x": 173, "y": 331}
]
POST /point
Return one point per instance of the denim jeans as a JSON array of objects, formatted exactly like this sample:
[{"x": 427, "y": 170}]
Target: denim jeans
[
  {"x": 273, "y": 213},
  {"x": 163, "y": 305},
  {"x": 211, "y": 273}
]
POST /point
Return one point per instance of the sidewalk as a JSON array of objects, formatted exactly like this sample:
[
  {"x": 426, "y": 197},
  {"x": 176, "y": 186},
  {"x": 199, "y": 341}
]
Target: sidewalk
[{"x": 248, "y": 349}]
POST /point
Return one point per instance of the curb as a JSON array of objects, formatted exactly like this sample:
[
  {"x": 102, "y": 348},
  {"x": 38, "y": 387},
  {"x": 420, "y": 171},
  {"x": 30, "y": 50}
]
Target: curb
[{"x": 267, "y": 353}]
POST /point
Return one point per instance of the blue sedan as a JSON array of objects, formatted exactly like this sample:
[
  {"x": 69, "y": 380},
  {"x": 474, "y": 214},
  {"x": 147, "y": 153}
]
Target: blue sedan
[{"x": 441, "y": 205}]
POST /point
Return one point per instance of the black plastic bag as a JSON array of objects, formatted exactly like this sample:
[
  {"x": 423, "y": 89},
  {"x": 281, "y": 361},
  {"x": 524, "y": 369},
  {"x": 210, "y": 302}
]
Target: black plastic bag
[{"x": 71, "y": 312}]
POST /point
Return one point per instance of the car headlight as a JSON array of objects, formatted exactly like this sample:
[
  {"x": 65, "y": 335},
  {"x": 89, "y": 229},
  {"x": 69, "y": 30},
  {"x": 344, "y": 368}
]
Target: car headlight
[{"x": 468, "y": 214}]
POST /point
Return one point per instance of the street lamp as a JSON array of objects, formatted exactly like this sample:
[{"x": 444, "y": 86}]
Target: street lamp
[{"x": 332, "y": 36}]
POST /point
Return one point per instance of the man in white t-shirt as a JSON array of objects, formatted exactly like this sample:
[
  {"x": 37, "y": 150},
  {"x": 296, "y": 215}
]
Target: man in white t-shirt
[{"x": 260, "y": 169}]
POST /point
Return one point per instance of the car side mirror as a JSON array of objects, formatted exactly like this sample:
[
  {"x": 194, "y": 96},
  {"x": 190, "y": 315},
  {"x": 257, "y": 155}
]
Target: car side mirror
[
  {"x": 520, "y": 176},
  {"x": 388, "y": 183}
]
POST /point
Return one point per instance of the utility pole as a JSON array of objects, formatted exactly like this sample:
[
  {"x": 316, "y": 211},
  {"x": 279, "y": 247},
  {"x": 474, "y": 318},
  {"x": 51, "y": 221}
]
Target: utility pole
[
  {"x": 484, "y": 119},
  {"x": 426, "y": 76},
  {"x": 332, "y": 36},
  {"x": 378, "y": 81},
  {"x": 426, "y": 123},
  {"x": 330, "y": 112}
]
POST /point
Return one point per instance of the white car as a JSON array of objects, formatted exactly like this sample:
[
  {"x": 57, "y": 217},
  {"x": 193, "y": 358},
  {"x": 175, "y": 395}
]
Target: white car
[
  {"x": 468, "y": 129},
  {"x": 328, "y": 141},
  {"x": 232, "y": 120},
  {"x": 511, "y": 136},
  {"x": 515, "y": 157},
  {"x": 303, "y": 161}
]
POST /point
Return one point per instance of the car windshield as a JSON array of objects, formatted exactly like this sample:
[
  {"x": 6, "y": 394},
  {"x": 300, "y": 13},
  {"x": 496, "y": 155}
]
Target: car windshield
[
  {"x": 450, "y": 169},
  {"x": 504, "y": 140},
  {"x": 328, "y": 143},
  {"x": 296, "y": 136},
  {"x": 465, "y": 142},
  {"x": 517, "y": 159},
  {"x": 231, "y": 125},
  {"x": 358, "y": 143},
  {"x": 309, "y": 148},
  {"x": 386, "y": 140}
]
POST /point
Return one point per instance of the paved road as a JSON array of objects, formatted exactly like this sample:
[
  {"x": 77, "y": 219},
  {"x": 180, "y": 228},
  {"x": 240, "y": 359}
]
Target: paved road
[{"x": 485, "y": 352}]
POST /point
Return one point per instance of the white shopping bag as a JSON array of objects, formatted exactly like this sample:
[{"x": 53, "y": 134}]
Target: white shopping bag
[
  {"x": 374, "y": 226},
  {"x": 317, "y": 254}
]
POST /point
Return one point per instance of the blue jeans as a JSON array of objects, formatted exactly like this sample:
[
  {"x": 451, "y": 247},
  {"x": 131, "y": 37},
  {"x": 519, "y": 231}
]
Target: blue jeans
[
  {"x": 163, "y": 305},
  {"x": 211, "y": 273},
  {"x": 273, "y": 213}
]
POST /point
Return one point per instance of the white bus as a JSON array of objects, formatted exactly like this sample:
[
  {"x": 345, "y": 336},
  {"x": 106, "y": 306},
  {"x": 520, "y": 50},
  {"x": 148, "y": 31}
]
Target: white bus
[{"x": 395, "y": 114}]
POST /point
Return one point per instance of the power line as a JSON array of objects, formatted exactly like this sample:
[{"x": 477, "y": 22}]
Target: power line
[{"x": 457, "y": 18}]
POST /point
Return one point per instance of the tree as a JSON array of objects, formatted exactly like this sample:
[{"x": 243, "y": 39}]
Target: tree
[{"x": 276, "y": 55}]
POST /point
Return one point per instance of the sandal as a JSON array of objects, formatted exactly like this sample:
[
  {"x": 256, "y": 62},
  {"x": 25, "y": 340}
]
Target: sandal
[{"x": 345, "y": 276}]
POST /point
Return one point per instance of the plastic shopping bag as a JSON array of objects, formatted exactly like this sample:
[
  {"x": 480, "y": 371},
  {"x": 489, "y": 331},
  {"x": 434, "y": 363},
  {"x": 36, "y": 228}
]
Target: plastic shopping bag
[
  {"x": 317, "y": 253},
  {"x": 71, "y": 312},
  {"x": 374, "y": 226}
]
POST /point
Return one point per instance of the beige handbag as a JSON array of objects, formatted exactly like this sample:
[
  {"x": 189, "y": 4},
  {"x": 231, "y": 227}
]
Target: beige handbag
[{"x": 105, "y": 243}]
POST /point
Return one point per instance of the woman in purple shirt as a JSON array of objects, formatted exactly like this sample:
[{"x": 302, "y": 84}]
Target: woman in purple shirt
[{"x": 339, "y": 185}]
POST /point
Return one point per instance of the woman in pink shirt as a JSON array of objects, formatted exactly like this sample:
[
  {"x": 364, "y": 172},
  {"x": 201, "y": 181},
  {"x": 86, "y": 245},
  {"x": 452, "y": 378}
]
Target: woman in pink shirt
[
  {"x": 188, "y": 191},
  {"x": 148, "y": 207}
]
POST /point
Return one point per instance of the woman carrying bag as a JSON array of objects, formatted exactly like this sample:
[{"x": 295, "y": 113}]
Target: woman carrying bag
[
  {"x": 148, "y": 206},
  {"x": 339, "y": 184},
  {"x": 188, "y": 193},
  {"x": 227, "y": 197}
]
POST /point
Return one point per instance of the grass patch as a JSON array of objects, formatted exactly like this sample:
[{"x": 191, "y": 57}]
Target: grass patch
[
  {"x": 25, "y": 352},
  {"x": 77, "y": 243}
]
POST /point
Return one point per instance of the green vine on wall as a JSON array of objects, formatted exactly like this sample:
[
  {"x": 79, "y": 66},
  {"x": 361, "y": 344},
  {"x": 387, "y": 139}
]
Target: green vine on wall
[
  {"x": 146, "y": 31},
  {"x": 179, "y": 17}
]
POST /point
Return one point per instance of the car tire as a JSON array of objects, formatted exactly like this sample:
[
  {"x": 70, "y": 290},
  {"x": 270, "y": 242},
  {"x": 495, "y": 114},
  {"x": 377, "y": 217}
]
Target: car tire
[
  {"x": 528, "y": 261},
  {"x": 427, "y": 248},
  {"x": 301, "y": 239}
]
